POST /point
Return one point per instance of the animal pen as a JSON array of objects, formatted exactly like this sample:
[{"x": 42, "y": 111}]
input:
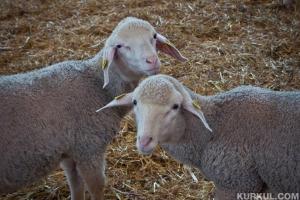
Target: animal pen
[{"x": 228, "y": 43}]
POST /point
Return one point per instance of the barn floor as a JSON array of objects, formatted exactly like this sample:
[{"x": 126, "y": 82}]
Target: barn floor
[{"x": 228, "y": 43}]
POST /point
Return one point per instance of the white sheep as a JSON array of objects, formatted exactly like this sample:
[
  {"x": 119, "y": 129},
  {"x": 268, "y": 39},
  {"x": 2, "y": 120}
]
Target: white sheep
[
  {"x": 248, "y": 141},
  {"x": 48, "y": 115}
]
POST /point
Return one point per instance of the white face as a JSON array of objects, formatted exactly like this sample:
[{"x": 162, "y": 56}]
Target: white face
[
  {"x": 137, "y": 50},
  {"x": 157, "y": 123},
  {"x": 133, "y": 47},
  {"x": 160, "y": 104}
]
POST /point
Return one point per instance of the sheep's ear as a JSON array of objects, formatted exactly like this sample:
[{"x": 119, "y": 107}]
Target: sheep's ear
[
  {"x": 121, "y": 100},
  {"x": 107, "y": 58},
  {"x": 194, "y": 108},
  {"x": 164, "y": 45}
]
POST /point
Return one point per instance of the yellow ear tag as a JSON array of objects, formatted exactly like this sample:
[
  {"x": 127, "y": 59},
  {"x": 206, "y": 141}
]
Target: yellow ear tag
[
  {"x": 196, "y": 105},
  {"x": 104, "y": 63},
  {"x": 120, "y": 96}
]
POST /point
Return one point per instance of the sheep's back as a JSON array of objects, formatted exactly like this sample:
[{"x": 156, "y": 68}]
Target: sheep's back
[{"x": 266, "y": 126}]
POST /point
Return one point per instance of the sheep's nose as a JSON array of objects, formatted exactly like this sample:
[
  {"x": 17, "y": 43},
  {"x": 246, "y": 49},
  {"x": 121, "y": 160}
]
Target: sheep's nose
[
  {"x": 145, "y": 140},
  {"x": 151, "y": 59}
]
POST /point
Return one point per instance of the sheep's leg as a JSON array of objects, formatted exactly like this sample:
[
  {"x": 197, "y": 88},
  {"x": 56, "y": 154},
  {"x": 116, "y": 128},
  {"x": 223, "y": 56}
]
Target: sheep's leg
[
  {"x": 93, "y": 175},
  {"x": 265, "y": 190},
  {"x": 74, "y": 180}
]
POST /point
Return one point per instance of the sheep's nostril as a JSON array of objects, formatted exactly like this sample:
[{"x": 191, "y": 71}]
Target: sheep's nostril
[
  {"x": 151, "y": 60},
  {"x": 145, "y": 141}
]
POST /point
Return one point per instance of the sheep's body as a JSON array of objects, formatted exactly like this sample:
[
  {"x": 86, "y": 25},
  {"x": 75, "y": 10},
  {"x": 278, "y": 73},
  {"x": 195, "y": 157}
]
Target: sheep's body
[
  {"x": 48, "y": 116},
  {"x": 255, "y": 140},
  {"x": 40, "y": 128}
]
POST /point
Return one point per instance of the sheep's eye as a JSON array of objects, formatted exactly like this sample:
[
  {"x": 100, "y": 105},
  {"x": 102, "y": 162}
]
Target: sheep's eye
[
  {"x": 175, "y": 106},
  {"x": 119, "y": 46},
  {"x": 155, "y": 36},
  {"x": 134, "y": 102}
]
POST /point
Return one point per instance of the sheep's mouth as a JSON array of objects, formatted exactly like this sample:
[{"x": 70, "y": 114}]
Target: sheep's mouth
[
  {"x": 152, "y": 71},
  {"x": 146, "y": 152}
]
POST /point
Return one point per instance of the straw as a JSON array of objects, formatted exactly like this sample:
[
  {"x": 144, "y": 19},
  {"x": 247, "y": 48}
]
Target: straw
[{"x": 228, "y": 43}]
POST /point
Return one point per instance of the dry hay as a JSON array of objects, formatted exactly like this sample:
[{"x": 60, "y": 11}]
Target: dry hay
[{"x": 228, "y": 43}]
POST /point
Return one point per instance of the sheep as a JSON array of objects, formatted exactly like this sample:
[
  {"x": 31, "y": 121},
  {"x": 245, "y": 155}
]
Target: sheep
[
  {"x": 47, "y": 116},
  {"x": 248, "y": 140}
]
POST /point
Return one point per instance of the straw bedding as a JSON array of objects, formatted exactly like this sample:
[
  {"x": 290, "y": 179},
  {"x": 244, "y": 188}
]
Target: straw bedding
[{"x": 228, "y": 43}]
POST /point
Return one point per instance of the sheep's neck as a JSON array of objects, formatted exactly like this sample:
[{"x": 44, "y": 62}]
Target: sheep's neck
[
  {"x": 119, "y": 82},
  {"x": 195, "y": 138},
  {"x": 116, "y": 86},
  {"x": 196, "y": 131}
]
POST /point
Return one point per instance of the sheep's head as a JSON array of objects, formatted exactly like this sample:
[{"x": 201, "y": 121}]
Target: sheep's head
[
  {"x": 159, "y": 102},
  {"x": 133, "y": 47}
]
